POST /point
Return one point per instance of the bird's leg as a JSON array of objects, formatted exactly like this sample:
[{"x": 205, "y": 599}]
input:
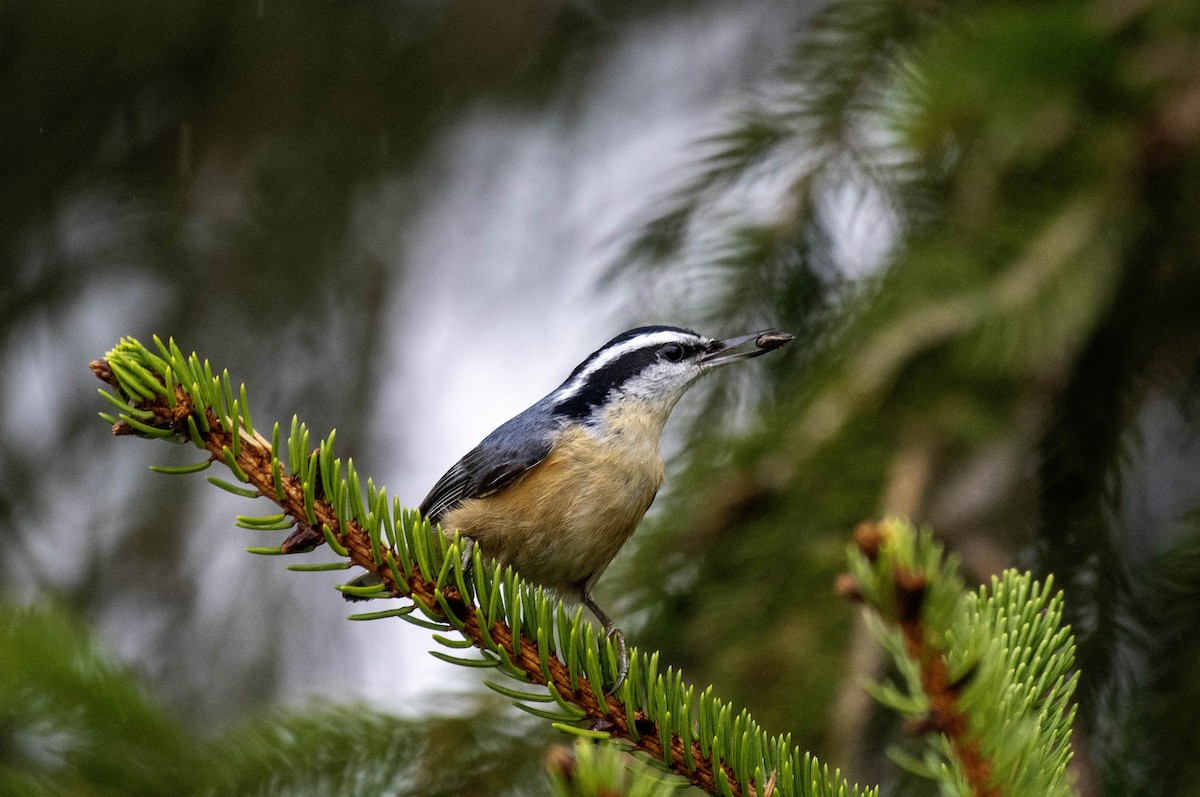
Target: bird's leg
[
  {"x": 610, "y": 632},
  {"x": 468, "y": 554}
]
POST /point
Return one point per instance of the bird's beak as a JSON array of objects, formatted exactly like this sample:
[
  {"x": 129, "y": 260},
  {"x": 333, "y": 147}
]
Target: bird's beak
[{"x": 745, "y": 347}]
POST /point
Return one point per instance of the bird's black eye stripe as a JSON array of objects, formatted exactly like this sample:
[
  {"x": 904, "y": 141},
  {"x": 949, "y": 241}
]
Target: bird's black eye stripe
[
  {"x": 594, "y": 391},
  {"x": 612, "y": 376}
]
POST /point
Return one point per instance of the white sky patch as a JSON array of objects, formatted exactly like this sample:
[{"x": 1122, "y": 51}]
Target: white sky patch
[{"x": 862, "y": 228}]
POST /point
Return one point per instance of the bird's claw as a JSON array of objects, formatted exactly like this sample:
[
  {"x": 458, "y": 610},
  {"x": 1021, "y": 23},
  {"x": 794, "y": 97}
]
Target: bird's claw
[
  {"x": 622, "y": 660},
  {"x": 610, "y": 632}
]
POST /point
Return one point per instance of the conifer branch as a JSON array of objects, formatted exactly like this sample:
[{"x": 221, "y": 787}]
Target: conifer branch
[
  {"x": 988, "y": 675},
  {"x": 945, "y": 716},
  {"x": 513, "y": 625}
]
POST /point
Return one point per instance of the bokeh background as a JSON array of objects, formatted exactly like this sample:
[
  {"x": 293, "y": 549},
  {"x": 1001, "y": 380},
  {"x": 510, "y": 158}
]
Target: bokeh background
[{"x": 409, "y": 220}]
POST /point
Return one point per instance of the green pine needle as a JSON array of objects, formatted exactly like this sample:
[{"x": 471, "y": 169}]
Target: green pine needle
[
  {"x": 244, "y": 492},
  {"x": 320, "y": 567},
  {"x": 404, "y": 611},
  {"x": 180, "y": 470}
]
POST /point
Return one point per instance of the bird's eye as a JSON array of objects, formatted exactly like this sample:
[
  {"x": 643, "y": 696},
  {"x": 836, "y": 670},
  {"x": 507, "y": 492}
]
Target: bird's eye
[{"x": 672, "y": 352}]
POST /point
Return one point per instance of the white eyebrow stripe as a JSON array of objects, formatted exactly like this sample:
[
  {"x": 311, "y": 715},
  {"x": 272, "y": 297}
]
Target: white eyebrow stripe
[{"x": 607, "y": 356}]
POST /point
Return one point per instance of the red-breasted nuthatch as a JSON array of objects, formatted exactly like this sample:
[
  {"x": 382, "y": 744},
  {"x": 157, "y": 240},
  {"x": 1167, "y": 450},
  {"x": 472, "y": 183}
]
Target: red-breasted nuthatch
[{"x": 557, "y": 490}]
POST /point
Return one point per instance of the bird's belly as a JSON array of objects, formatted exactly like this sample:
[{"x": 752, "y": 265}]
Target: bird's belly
[{"x": 562, "y": 522}]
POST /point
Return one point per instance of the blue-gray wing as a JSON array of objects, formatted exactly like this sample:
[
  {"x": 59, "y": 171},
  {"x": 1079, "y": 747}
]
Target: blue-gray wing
[{"x": 491, "y": 466}]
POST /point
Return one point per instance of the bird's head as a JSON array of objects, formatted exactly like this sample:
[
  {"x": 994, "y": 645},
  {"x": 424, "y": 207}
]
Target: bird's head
[{"x": 651, "y": 366}]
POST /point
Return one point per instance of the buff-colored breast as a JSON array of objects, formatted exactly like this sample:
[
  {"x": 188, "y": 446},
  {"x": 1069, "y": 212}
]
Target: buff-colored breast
[{"x": 563, "y": 521}]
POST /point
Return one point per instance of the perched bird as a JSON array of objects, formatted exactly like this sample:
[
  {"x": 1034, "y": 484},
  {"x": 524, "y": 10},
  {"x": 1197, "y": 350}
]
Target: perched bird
[{"x": 557, "y": 490}]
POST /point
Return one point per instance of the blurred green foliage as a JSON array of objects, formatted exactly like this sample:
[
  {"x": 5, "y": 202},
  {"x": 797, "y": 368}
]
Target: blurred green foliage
[{"x": 74, "y": 723}]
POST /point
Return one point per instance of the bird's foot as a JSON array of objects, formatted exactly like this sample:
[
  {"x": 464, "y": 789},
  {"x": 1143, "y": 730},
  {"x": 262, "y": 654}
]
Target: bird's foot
[
  {"x": 610, "y": 632},
  {"x": 468, "y": 555},
  {"x": 622, "y": 660}
]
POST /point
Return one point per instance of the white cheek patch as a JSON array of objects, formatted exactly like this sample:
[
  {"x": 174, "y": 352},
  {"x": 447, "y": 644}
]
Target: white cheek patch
[{"x": 662, "y": 381}]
